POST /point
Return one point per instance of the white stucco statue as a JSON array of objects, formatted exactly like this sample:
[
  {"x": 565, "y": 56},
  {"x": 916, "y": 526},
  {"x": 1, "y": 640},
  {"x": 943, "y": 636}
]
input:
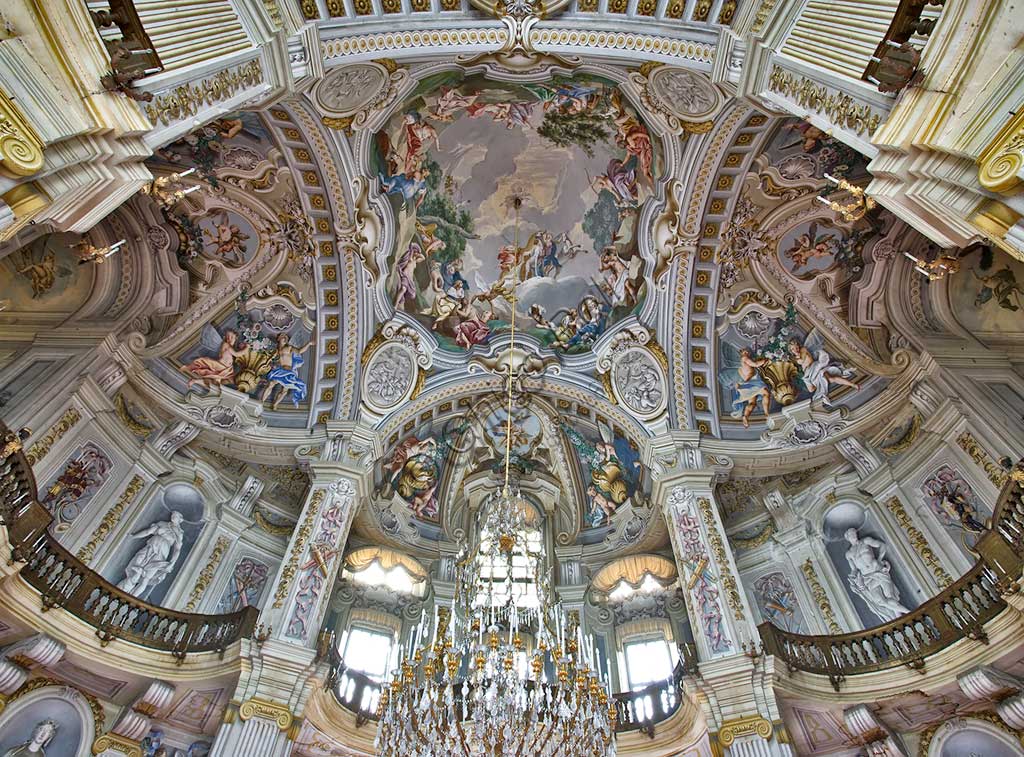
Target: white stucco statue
[
  {"x": 154, "y": 561},
  {"x": 870, "y": 576}
]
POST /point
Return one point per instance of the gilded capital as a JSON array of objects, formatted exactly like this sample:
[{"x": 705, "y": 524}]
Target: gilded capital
[
  {"x": 263, "y": 708},
  {"x": 740, "y": 727},
  {"x": 1001, "y": 162},
  {"x": 21, "y": 149}
]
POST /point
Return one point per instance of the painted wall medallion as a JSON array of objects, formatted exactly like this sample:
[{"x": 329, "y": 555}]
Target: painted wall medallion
[
  {"x": 389, "y": 377},
  {"x": 344, "y": 91},
  {"x": 685, "y": 94},
  {"x": 638, "y": 382}
]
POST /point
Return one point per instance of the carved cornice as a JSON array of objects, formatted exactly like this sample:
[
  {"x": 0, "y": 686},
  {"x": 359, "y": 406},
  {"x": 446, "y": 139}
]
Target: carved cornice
[{"x": 21, "y": 149}]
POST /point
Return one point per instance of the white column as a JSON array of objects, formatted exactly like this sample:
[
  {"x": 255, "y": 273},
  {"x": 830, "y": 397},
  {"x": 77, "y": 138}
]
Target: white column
[{"x": 719, "y": 615}]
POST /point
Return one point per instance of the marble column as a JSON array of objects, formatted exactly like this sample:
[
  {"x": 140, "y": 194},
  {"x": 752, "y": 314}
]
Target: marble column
[
  {"x": 721, "y": 621},
  {"x": 734, "y": 683},
  {"x": 268, "y": 701}
]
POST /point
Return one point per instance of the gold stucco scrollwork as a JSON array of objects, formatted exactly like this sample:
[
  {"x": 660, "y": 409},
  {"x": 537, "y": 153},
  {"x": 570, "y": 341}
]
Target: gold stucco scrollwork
[
  {"x": 40, "y": 449},
  {"x": 85, "y": 554},
  {"x": 818, "y": 592},
  {"x": 263, "y": 708},
  {"x": 1002, "y": 161},
  {"x": 187, "y": 100},
  {"x": 918, "y": 542},
  {"x": 739, "y": 727},
  {"x": 732, "y": 591},
  {"x": 972, "y": 447},
  {"x": 298, "y": 548},
  {"x": 207, "y": 573},
  {"x": 21, "y": 149},
  {"x": 113, "y": 742},
  {"x": 839, "y": 108}
]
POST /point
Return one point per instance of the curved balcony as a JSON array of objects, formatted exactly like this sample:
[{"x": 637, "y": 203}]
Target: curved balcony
[
  {"x": 959, "y": 612},
  {"x": 639, "y": 710},
  {"x": 63, "y": 581}
]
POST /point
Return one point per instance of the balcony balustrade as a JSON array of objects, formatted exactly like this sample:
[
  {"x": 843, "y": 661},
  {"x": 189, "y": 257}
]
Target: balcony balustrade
[
  {"x": 63, "y": 581},
  {"x": 959, "y": 612}
]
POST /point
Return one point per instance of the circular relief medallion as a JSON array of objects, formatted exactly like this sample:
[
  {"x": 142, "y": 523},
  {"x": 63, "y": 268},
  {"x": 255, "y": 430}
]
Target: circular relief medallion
[
  {"x": 348, "y": 90},
  {"x": 684, "y": 94},
  {"x": 638, "y": 381},
  {"x": 389, "y": 377}
]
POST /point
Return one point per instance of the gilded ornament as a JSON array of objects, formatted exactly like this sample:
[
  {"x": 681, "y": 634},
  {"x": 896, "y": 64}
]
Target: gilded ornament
[
  {"x": 206, "y": 574},
  {"x": 841, "y": 109},
  {"x": 188, "y": 99},
  {"x": 761, "y": 17},
  {"x": 818, "y": 592},
  {"x": 271, "y": 528},
  {"x": 40, "y": 449},
  {"x": 756, "y": 541},
  {"x": 298, "y": 548},
  {"x": 85, "y": 554},
  {"x": 972, "y": 447},
  {"x": 739, "y": 727},
  {"x": 1001, "y": 162},
  {"x": 904, "y": 442},
  {"x": 131, "y": 423},
  {"x": 918, "y": 542},
  {"x": 264, "y": 708},
  {"x": 115, "y": 743},
  {"x": 732, "y": 592},
  {"x": 21, "y": 149},
  {"x": 98, "y": 716}
]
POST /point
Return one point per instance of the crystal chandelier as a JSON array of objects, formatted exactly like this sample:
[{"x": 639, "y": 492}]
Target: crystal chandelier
[{"x": 508, "y": 671}]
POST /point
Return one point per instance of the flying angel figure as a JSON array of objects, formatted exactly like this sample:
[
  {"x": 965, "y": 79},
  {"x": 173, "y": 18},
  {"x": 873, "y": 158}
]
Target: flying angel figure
[
  {"x": 740, "y": 377},
  {"x": 819, "y": 370},
  {"x": 611, "y": 484}
]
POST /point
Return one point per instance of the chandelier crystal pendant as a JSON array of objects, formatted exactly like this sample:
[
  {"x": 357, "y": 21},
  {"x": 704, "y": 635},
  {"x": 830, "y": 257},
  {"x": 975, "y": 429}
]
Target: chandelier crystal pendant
[{"x": 509, "y": 671}]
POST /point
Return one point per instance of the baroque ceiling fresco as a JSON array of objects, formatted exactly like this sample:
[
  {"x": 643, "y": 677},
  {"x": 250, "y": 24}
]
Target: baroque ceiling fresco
[
  {"x": 453, "y": 158},
  {"x": 356, "y": 255}
]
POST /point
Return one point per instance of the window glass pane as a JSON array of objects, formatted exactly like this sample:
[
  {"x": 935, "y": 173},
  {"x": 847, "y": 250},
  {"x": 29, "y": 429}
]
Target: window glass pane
[
  {"x": 368, "y": 652},
  {"x": 647, "y": 662}
]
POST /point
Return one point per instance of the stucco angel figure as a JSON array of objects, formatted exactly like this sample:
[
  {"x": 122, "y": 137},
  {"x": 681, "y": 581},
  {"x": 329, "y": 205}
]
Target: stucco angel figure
[
  {"x": 611, "y": 482},
  {"x": 819, "y": 370},
  {"x": 227, "y": 240},
  {"x": 285, "y": 373},
  {"x": 413, "y": 471},
  {"x": 871, "y": 576},
  {"x": 740, "y": 376},
  {"x": 215, "y": 370},
  {"x": 154, "y": 562},
  {"x": 41, "y": 737}
]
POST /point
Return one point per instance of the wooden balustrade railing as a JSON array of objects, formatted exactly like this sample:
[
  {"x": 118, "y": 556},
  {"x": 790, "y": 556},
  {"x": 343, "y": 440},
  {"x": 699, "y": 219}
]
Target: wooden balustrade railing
[
  {"x": 637, "y": 710},
  {"x": 643, "y": 709},
  {"x": 894, "y": 64},
  {"x": 959, "y": 612},
  {"x": 63, "y": 581},
  {"x": 122, "y": 31}
]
